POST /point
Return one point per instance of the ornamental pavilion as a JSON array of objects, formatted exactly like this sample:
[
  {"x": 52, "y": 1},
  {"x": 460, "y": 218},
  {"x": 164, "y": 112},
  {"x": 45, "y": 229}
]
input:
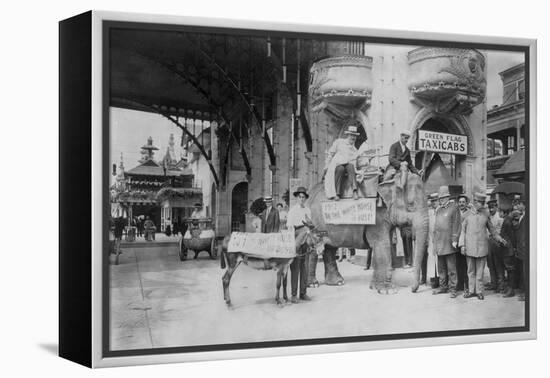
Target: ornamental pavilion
[{"x": 163, "y": 190}]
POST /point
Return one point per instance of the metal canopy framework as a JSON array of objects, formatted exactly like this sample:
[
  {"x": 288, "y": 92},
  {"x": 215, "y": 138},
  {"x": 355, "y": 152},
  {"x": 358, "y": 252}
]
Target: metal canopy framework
[{"x": 229, "y": 79}]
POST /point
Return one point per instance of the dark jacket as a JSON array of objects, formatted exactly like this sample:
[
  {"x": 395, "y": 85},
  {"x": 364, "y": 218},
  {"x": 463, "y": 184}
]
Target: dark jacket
[
  {"x": 508, "y": 233},
  {"x": 521, "y": 237},
  {"x": 446, "y": 229},
  {"x": 119, "y": 227},
  {"x": 397, "y": 155},
  {"x": 272, "y": 223},
  {"x": 516, "y": 236}
]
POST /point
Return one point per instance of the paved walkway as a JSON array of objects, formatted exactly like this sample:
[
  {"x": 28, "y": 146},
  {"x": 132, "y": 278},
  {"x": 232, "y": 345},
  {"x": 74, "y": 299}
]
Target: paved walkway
[{"x": 159, "y": 301}]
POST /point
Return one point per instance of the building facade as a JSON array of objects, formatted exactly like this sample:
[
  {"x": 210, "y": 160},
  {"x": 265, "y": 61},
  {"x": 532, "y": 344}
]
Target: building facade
[
  {"x": 506, "y": 130},
  {"x": 437, "y": 94}
]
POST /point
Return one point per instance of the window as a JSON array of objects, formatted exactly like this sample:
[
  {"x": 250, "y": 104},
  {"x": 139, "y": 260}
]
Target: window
[
  {"x": 494, "y": 147},
  {"x": 521, "y": 89},
  {"x": 509, "y": 93},
  {"x": 511, "y": 145},
  {"x": 490, "y": 147}
]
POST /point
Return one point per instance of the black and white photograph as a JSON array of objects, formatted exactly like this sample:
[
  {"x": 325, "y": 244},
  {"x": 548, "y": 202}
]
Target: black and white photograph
[
  {"x": 271, "y": 188},
  {"x": 275, "y": 189}
]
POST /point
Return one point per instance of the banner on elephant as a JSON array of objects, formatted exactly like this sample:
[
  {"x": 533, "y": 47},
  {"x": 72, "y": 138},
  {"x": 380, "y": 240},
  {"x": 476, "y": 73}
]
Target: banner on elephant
[
  {"x": 361, "y": 211},
  {"x": 280, "y": 244}
]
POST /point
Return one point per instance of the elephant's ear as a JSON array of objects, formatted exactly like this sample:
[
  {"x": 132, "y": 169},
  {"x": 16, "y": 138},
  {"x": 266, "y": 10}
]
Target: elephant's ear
[{"x": 385, "y": 191}]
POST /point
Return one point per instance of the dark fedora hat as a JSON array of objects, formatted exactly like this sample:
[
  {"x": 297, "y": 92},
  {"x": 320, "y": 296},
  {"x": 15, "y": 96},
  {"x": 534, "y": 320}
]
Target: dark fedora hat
[
  {"x": 463, "y": 195},
  {"x": 301, "y": 189}
]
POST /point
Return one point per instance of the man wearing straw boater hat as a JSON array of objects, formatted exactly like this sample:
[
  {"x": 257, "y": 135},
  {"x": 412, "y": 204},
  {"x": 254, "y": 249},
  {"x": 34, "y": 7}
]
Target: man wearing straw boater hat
[
  {"x": 446, "y": 232},
  {"x": 270, "y": 217},
  {"x": 341, "y": 161},
  {"x": 298, "y": 216},
  {"x": 474, "y": 244}
]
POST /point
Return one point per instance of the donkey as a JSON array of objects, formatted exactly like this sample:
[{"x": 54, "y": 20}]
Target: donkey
[{"x": 305, "y": 235}]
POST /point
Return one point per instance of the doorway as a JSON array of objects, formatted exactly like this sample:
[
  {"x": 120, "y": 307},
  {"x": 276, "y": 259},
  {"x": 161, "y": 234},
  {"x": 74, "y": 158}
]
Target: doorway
[
  {"x": 440, "y": 168},
  {"x": 239, "y": 206}
]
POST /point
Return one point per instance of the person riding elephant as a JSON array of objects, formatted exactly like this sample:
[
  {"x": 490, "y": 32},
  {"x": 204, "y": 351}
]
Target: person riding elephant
[
  {"x": 341, "y": 162},
  {"x": 400, "y": 157},
  {"x": 398, "y": 207}
]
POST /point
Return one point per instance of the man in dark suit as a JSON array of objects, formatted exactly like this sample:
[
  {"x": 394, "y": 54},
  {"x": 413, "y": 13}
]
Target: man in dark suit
[
  {"x": 270, "y": 217},
  {"x": 446, "y": 232},
  {"x": 400, "y": 156},
  {"x": 514, "y": 231}
]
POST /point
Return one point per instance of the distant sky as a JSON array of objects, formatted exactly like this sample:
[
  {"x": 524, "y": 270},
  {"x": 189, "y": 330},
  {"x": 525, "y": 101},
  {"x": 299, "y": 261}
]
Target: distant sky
[
  {"x": 498, "y": 61},
  {"x": 130, "y": 129}
]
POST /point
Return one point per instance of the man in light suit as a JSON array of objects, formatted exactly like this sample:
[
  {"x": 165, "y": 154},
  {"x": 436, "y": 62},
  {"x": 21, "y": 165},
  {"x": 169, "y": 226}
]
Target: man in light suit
[{"x": 270, "y": 217}]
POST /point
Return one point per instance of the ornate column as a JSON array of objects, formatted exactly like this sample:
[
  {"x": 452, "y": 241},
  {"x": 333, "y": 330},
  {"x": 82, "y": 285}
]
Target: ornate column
[
  {"x": 447, "y": 80},
  {"x": 340, "y": 88}
]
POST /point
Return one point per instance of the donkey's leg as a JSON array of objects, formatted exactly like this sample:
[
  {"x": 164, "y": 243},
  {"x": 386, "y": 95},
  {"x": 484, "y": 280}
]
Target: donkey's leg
[
  {"x": 285, "y": 269},
  {"x": 232, "y": 264},
  {"x": 279, "y": 279}
]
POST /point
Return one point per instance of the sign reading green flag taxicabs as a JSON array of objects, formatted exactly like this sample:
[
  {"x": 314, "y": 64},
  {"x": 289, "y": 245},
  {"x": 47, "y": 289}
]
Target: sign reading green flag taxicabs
[{"x": 441, "y": 142}]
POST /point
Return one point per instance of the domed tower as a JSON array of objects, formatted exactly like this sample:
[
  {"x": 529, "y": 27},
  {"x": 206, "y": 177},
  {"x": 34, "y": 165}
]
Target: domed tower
[
  {"x": 121, "y": 177},
  {"x": 170, "y": 159},
  {"x": 148, "y": 151}
]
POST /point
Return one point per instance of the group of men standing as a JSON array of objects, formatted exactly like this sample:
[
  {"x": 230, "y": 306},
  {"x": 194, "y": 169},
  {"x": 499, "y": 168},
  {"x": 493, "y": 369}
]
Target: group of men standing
[{"x": 466, "y": 237}]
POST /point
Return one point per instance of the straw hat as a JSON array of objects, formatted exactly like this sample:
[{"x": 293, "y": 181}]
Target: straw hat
[
  {"x": 302, "y": 190},
  {"x": 351, "y": 130},
  {"x": 443, "y": 191},
  {"x": 480, "y": 197}
]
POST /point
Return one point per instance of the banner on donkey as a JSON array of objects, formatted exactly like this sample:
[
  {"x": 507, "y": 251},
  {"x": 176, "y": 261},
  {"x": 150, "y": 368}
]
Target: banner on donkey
[{"x": 275, "y": 245}]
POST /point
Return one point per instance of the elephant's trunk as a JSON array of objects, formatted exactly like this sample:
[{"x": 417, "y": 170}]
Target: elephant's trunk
[{"x": 420, "y": 228}]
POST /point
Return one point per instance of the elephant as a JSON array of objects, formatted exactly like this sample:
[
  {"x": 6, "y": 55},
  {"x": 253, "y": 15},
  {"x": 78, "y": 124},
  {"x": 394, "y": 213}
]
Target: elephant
[{"x": 403, "y": 204}]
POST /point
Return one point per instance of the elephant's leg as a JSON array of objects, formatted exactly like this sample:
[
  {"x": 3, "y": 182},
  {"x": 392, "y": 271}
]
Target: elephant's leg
[
  {"x": 332, "y": 275},
  {"x": 420, "y": 230},
  {"x": 311, "y": 269},
  {"x": 379, "y": 238}
]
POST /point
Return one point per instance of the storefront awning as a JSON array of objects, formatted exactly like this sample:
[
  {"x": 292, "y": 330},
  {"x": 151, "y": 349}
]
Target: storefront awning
[
  {"x": 514, "y": 165},
  {"x": 505, "y": 124}
]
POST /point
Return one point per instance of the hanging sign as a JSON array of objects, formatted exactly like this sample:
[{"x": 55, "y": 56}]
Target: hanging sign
[{"x": 442, "y": 142}]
